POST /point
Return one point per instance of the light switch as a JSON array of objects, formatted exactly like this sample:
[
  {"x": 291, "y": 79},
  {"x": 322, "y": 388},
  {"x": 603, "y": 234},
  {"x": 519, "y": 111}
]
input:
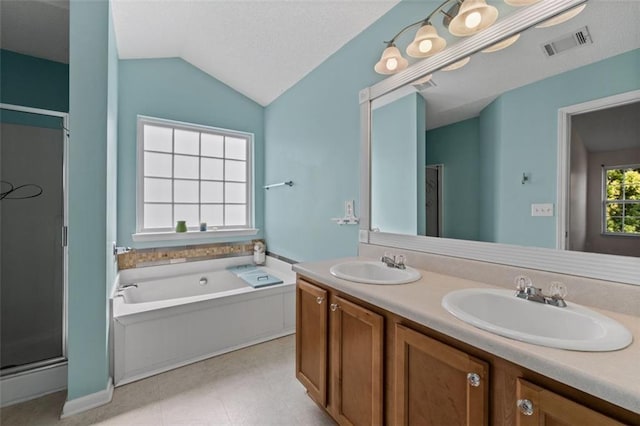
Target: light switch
[{"x": 542, "y": 209}]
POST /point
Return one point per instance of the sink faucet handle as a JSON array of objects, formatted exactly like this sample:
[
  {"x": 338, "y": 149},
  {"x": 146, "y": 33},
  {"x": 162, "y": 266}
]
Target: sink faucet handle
[
  {"x": 522, "y": 282},
  {"x": 557, "y": 289},
  {"x": 401, "y": 259}
]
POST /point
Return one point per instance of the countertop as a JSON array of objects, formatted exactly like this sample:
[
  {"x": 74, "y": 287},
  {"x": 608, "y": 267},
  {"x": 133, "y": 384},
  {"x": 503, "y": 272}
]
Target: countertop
[{"x": 612, "y": 376}]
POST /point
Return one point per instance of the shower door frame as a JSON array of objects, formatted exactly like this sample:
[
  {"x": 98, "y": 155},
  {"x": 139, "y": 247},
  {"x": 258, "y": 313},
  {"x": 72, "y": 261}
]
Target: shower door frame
[{"x": 65, "y": 209}]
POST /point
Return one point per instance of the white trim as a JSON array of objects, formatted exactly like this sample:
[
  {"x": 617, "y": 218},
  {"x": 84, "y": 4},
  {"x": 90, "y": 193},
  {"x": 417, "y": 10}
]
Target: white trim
[
  {"x": 33, "y": 384},
  {"x": 564, "y": 147},
  {"x": 192, "y": 235},
  {"x": 623, "y": 269},
  {"x": 30, "y": 110},
  {"x": 87, "y": 402},
  {"x": 172, "y": 124}
]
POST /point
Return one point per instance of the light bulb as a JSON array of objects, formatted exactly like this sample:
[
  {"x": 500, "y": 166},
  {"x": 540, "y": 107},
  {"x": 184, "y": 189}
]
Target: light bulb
[
  {"x": 392, "y": 64},
  {"x": 473, "y": 19},
  {"x": 425, "y": 46}
]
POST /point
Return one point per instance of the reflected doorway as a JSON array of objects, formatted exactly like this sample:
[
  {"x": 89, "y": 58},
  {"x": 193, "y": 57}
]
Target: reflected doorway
[
  {"x": 602, "y": 202},
  {"x": 433, "y": 199}
]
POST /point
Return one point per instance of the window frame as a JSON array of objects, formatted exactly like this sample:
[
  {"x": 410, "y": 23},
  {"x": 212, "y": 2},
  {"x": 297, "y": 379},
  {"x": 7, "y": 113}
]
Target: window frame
[
  {"x": 146, "y": 234},
  {"x": 605, "y": 201}
]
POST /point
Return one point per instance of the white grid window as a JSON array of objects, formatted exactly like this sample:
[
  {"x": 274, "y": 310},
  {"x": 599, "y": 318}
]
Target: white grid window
[
  {"x": 621, "y": 200},
  {"x": 192, "y": 173}
]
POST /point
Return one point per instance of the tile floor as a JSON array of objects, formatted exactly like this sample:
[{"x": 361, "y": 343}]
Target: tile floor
[{"x": 251, "y": 386}]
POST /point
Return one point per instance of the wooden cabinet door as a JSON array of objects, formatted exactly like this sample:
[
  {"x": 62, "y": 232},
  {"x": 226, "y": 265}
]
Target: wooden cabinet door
[
  {"x": 311, "y": 340},
  {"x": 434, "y": 383},
  {"x": 540, "y": 407},
  {"x": 356, "y": 364}
]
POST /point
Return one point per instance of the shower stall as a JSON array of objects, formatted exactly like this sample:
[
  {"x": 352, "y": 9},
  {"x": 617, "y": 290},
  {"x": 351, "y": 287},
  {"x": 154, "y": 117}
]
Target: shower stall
[{"x": 33, "y": 147}]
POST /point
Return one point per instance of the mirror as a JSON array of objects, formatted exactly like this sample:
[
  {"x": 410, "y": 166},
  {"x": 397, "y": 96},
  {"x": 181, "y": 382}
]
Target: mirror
[
  {"x": 540, "y": 163},
  {"x": 486, "y": 169}
]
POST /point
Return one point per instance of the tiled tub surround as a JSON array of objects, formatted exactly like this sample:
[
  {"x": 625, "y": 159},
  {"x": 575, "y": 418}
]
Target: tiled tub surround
[
  {"x": 611, "y": 376},
  {"x": 159, "y": 335},
  {"x": 137, "y": 258}
]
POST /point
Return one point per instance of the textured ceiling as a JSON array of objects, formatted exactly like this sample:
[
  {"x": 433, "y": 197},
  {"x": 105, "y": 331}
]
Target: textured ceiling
[
  {"x": 262, "y": 47},
  {"x": 36, "y": 28},
  {"x": 259, "y": 48},
  {"x": 610, "y": 129}
]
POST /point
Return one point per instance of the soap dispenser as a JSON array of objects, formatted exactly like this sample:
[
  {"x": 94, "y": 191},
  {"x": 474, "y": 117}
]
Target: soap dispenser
[{"x": 259, "y": 253}]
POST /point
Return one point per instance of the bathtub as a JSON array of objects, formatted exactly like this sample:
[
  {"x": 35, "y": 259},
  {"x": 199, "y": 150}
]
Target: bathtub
[{"x": 172, "y": 315}]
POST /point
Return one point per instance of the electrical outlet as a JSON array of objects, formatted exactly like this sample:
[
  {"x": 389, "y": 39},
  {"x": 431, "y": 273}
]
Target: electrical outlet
[{"x": 542, "y": 209}]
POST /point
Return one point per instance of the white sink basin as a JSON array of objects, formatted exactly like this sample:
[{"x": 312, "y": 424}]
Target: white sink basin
[
  {"x": 501, "y": 312},
  {"x": 370, "y": 272}
]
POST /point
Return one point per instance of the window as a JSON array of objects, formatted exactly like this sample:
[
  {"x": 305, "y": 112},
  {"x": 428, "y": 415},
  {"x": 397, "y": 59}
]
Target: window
[
  {"x": 621, "y": 195},
  {"x": 192, "y": 173}
]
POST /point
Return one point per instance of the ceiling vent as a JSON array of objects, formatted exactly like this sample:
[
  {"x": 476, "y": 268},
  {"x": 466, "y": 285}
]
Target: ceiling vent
[
  {"x": 580, "y": 37},
  {"x": 420, "y": 87}
]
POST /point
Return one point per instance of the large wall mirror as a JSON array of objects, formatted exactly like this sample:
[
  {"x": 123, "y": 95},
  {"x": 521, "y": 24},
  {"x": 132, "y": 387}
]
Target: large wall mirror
[{"x": 527, "y": 156}]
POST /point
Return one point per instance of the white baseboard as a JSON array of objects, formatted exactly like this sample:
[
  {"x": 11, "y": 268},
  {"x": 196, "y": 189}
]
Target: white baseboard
[
  {"x": 88, "y": 402},
  {"x": 32, "y": 384}
]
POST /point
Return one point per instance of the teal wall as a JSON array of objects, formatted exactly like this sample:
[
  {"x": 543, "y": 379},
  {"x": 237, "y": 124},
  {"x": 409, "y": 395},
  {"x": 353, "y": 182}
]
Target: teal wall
[
  {"x": 395, "y": 163},
  {"x": 91, "y": 138},
  {"x": 33, "y": 82},
  {"x": 175, "y": 90},
  {"x": 112, "y": 157},
  {"x": 457, "y": 147},
  {"x": 528, "y": 142},
  {"x": 490, "y": 126},
  {"x": 312, "y": 132}
]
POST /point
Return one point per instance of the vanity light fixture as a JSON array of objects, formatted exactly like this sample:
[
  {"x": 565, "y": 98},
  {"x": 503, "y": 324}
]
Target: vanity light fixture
[
  {"x": 391, "y": 61},
  {"x": 501, "y": 44},
  {"x": 473, "y": 16},
  {"x": 457, "y": 65},
  {"x": 563, "y": 17},
  {"x": 462, "y": 18}
]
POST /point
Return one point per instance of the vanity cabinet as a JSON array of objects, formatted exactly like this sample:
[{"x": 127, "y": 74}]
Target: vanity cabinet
[
  {"x": 437, "y": 384},
  {"x": 339, "y": 351},
  {"x": 311, "y": 340},
  {"x": 539, "y": 406},
  {"x": 367, "y": 366}
]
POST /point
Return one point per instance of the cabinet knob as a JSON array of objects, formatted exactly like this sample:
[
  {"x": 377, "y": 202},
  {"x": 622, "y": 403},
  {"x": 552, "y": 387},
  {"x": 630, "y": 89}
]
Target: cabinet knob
[
  {"x": 334, "y": 307},
  {"x": 525, "y": 406},
  {"x": 473, "y": 379},
  {"x": 319, "y": 299}
]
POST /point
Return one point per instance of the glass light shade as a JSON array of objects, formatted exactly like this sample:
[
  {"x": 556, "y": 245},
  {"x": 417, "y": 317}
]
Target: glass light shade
[
  {"x": 473, "y": 16},
  {"x": 391, "y": 61},
  {"x": 502, "y": 44},
  {"x": 454, "y": 66},
  {"x": 519, "y": 3},
  {"x": 563, "y": 17},
  {"x": 427, "y": 42},
  {"x": 423, "y": 80}
]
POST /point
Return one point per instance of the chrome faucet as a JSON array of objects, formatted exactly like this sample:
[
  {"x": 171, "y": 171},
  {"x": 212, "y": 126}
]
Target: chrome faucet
[
  {"x": 526, "y": 290},
  {"x": 394, "y": 261}
]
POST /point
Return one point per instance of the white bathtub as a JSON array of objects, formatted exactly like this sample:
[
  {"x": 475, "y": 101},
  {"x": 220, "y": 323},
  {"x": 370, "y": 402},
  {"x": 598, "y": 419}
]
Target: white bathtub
[{"x": 169, "y": 319}]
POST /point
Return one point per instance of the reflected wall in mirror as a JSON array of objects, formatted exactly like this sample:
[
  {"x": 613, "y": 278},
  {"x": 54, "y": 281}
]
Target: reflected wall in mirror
[{"x": 494, "y": 126}]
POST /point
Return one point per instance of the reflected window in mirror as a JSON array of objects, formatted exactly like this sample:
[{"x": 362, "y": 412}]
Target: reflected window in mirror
[{"x": 621, "y": 187}]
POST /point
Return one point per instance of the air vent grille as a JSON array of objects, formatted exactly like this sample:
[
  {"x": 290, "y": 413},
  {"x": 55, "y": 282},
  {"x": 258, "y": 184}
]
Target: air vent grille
[
  {"x": 420, "y": 87},
  {"x": 580, "y": 37}
]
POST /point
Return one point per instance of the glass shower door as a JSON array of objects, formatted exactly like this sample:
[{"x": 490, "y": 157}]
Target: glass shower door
[{"x": 31, "y": 249}]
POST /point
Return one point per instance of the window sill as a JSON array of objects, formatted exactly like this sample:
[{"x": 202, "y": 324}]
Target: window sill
[{"x": 192, "y": 235}]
